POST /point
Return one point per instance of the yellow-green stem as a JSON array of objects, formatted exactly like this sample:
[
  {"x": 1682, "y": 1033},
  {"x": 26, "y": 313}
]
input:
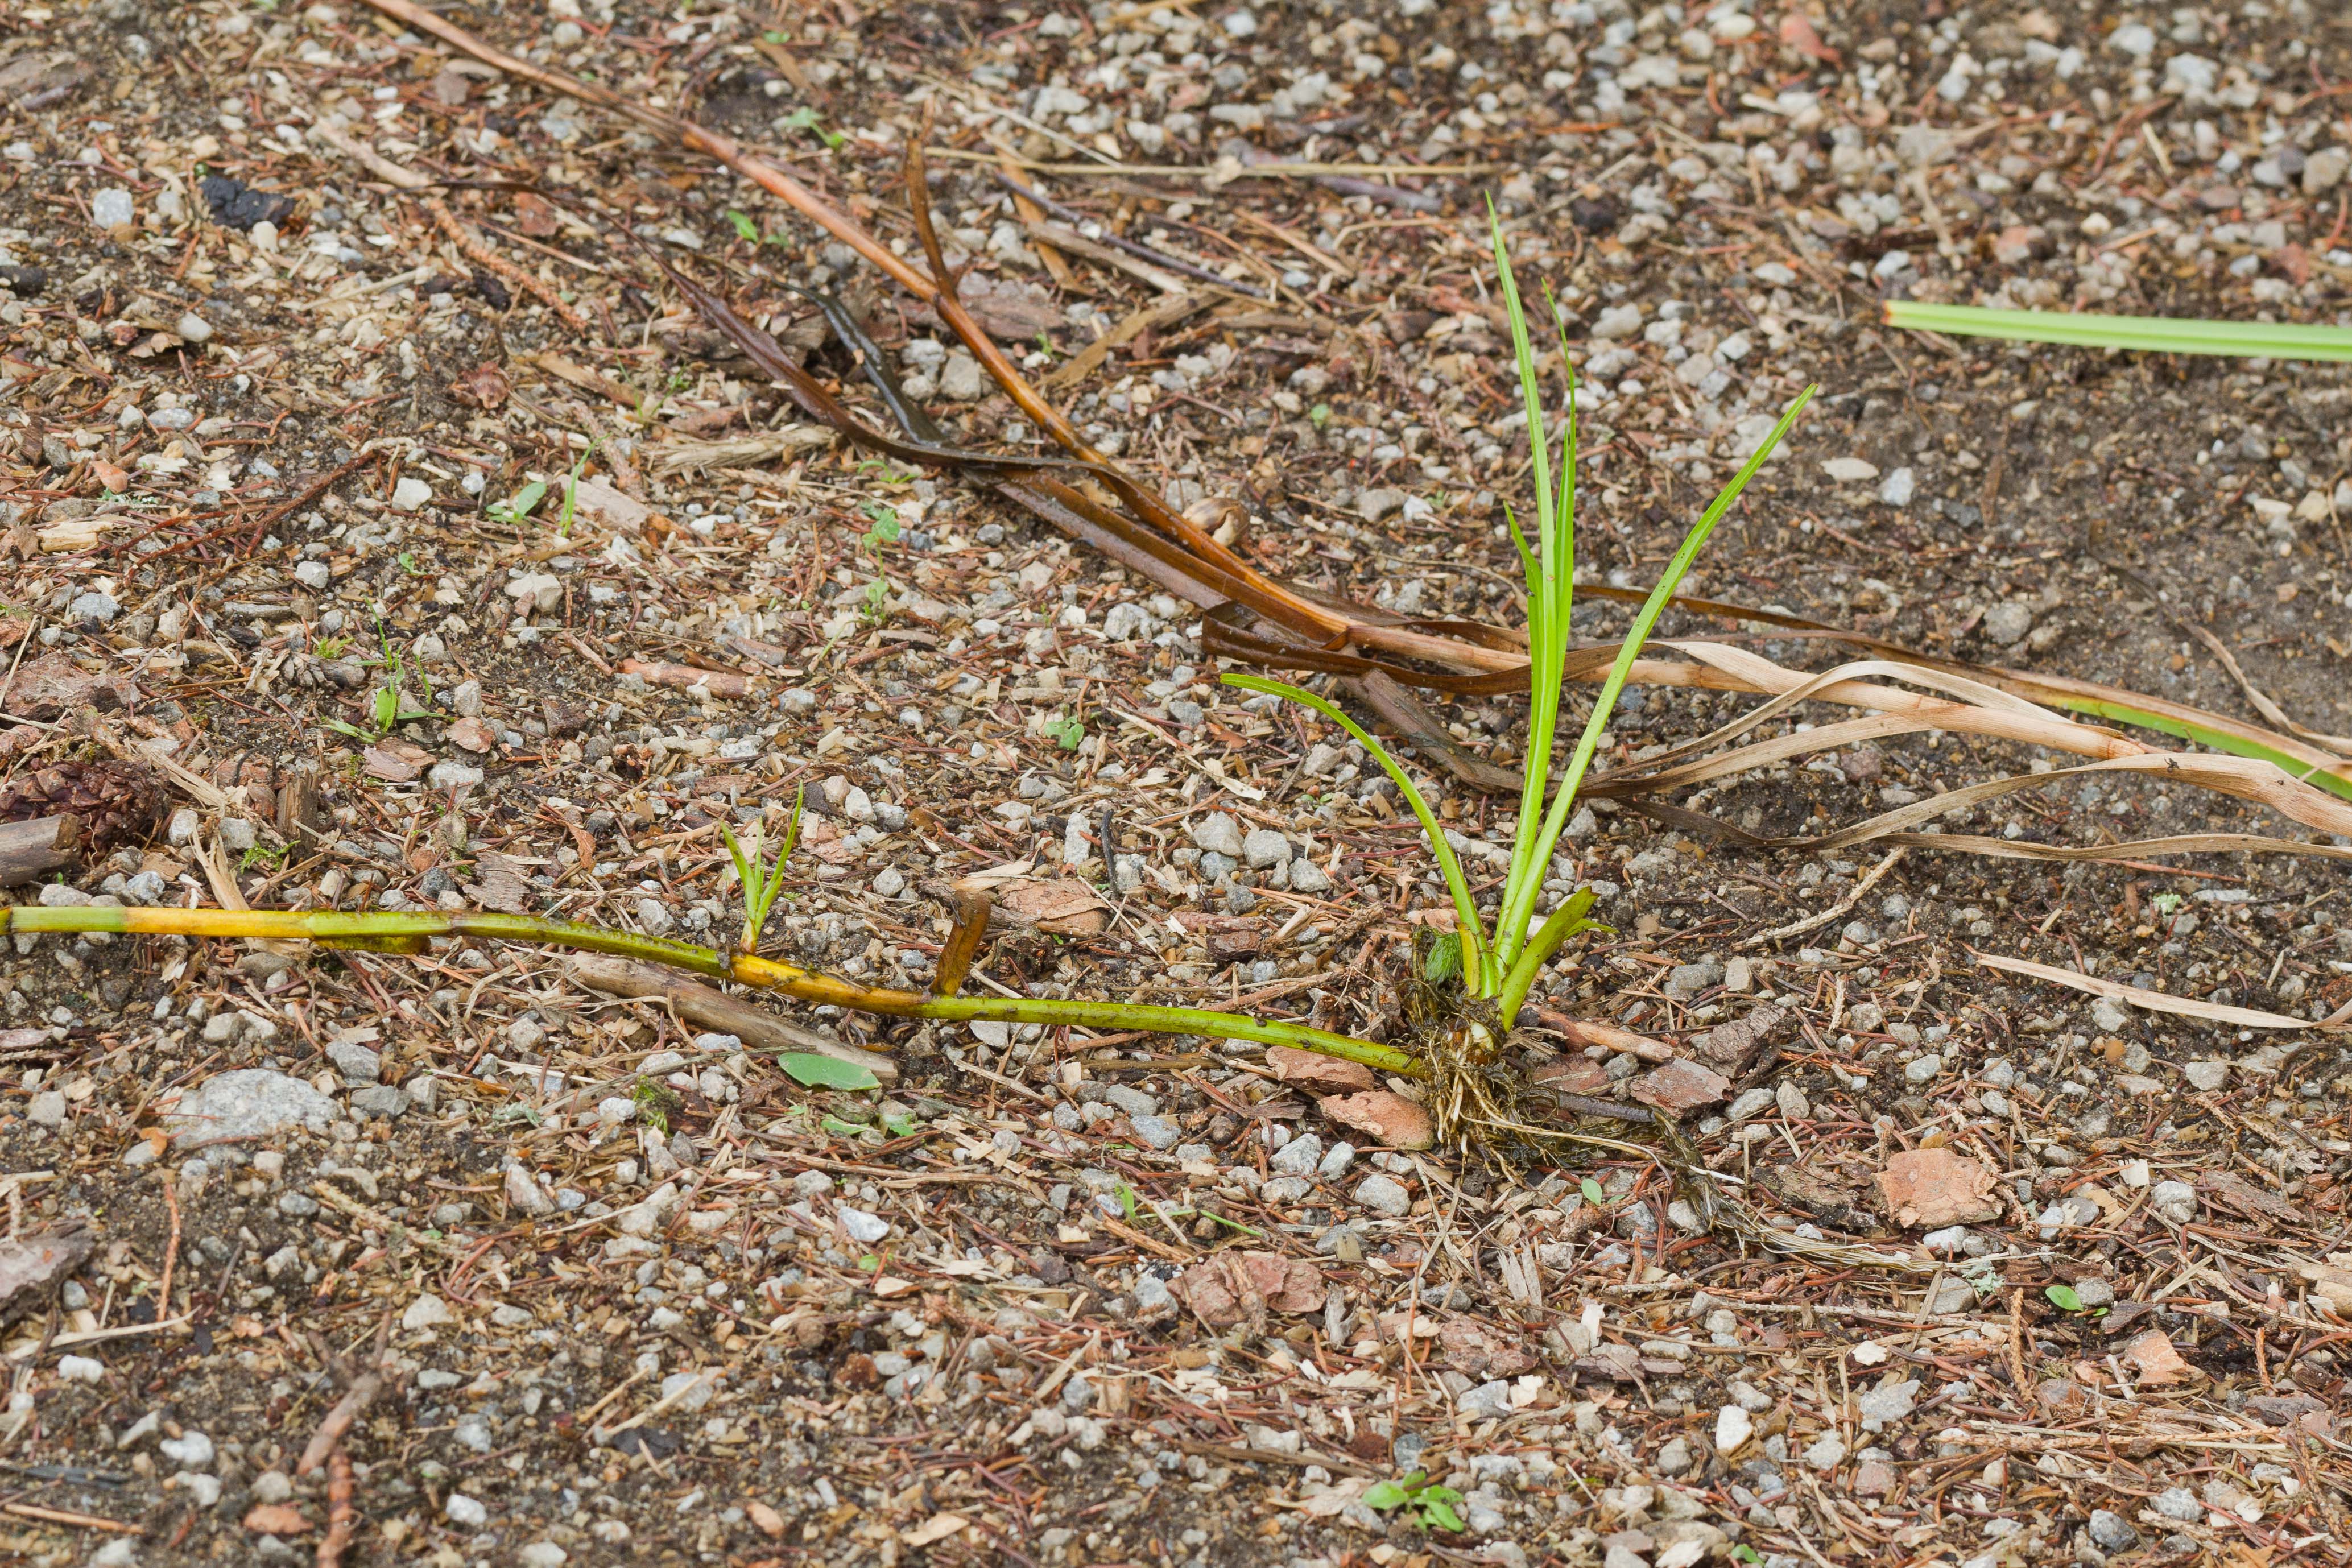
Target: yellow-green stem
[{"x": 399, "y": 931}]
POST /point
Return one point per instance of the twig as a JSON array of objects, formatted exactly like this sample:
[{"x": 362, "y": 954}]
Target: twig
[
  {"x": 479, "y": 252},
  {"x": 171, "y": 1249},
  {"x": 1868, "y": 881},
  {"x": 363, "y": 1391},
  {"x": 340, "y": 1513},
  {"x": 63, "y": 1516},
  {"x": 1159, "y": 258}
]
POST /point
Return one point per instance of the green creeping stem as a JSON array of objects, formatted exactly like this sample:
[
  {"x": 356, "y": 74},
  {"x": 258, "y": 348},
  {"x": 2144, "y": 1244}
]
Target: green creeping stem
[{"x": 407, "y": 932}]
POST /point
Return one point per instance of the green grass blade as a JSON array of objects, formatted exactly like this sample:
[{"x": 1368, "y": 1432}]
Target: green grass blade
[
  {"x": 1465, "y": 912},
  {"x": 1519, "y": 904},
  {"x": 2220, "y": 740},
  {"x": 1550, "y": 579},
  {"x": 2151, "y": 334}
]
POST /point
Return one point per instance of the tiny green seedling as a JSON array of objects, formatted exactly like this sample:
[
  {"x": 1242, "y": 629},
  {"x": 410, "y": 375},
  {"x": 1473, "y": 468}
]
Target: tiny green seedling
[
  {"x": 571, "y": 491},
  {"x": 887, "y": 529},
  {"x": 761, "y": 881},
  {"x": 744, "y": 227},
  {"x": 2065, "y": 1298},
  {"x": 806, "y": 119},
  {"x": 1437, "y": 1507},
  {"x": 654, "y": 1103},
  {"x": 386, "y": 711},
  {"x": 519, "y": 506},
  {"x": 2166, "y": 903},
  {"x": 1319, "y": 415},
  {"x": 1592, "y": 1193},
  {"x": 1069, "y": 733}
]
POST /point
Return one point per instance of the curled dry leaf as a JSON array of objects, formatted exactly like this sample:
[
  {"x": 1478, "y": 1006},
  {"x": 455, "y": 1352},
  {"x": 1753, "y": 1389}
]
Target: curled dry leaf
[
  {"x": 484, "y": 386},
  {"x": 1066, "y": 907},
  {"x": 1927, "y": 1189},
  {"x": 1232, "y": 1287},
  {"x": 277, "y": 1519},
  {"x": 1313, "y": 1071},
  {"x": 54, "y": 685},
  {"x": 2157, "y": 1361},
  {"x": 1392, "y": 1119},
  {"x": 1679, "y": 1086}
]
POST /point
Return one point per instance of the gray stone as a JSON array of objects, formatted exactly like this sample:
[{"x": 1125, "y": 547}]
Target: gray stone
[
  {"x": 189, "y": 1450},
  {"x": 1305, "y": 877},
  {"x": 1826, "y": 1452},
  {"x": 2111, "y": 1531},
  {"x": 1379, "y": 502},
  {"x": 2206, "y": 1075},
  {"x": 1383, "y": 1195},
  {"x": 2095, "y": 1292},
  {"x": 1751, "y": 1102},
  {"x": 1925, "y": 1070},
  {"x": 1617, "y": 321},
  {"x": 1897, "y": 489},
  {"x": 2173, "y": 1200},
  {"x": 251, "y": 1102},
  {"x": 47, "y": 1109},
  {"x": 111, "y": 207},
  {"x": 92, "y": 606},
  {"x": 1157, "y": 1131},
  {"x": 2178, "y": 1503},
  {"x": 962, "y": 380},
  {"x": 465, "y": 1512},
  {"x": 1335, "y": 1162},
  {"x": 380, "y": 1101},
  {"x": 1262, "y": 848},
  {"x": 356, "y": 1063},
  {"x": 446, "y": 776},
  {"x": 542, "y": 1554},
  {"x": 2109, "y": 1015},
  {"x": 1892, "y": 1403},
  {"x": 1217, "y": 833},
  {"x": 1487, "y": 1402},
  {"x": 1687, "y": 980},
  {"x": 864, "y": 1229},
  {"x": 2007, "y": 624},
  {"x": 525, "y": 1193},
  {"x": 236, "y": 834},
  {"x": 1134, "y": 1102},
  {"x": 194, "y": 327},
  {"x": 1298, "y": 1157}
]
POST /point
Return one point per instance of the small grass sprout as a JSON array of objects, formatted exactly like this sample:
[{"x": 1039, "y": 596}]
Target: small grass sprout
[
  {"x": 761, "y": 879},
  {"x": 1495, "y": 967}
]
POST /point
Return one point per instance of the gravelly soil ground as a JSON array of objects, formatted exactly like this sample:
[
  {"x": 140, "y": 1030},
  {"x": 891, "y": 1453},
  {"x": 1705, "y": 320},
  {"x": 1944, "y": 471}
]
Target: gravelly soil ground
[{"x": 1055, "y": 1300}]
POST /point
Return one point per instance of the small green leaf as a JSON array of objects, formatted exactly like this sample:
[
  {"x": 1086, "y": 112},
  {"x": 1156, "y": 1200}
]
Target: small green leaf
[
  {"x": 1067, "y": 732},
  {"x": 2166, "y": 903},
  {"x": 841, "y": 1129},
  {"x": 1384, "y": 1496},
  {"x": 1745, "y": 1553},
  {"x": 819, "y": 1072},
  {"x": 1592, "y": 1193},
  {"x": 2063, "y": 1298},
  {"x": 1437, "y": 1511},
  {"x": 519, "y": 506},
  {"x": 1319, "y": 415},
  {"x": 900, "y": 1126},
  {"x": 744, "y": 227}
]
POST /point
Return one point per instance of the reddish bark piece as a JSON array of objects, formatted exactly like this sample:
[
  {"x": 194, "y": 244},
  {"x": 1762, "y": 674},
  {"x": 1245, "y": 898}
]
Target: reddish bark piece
[
  {"x": 1314, "y": 1071},
  {"x": 472, "y": 735},
  {"x": 1479, "y": 1351},
  {"x": 278, "y": 1519},
  {"x": 484, "y": 386},
  {"x": 53, "y": 685},
  {"x": 686, "y": 677},
  {"x": 1873, "y": 1478},
  {"x": 1729, "y": 1046},
  {"x": 2157, "y": 1361},
  {"x": 1392, "y": 1119},
  {"x": 1927, "y": 1189},
  {"x": 1289, "y": 1284},
  {"x": 1062, "y": 908},
  {"x": 1574, "y": 1075},
  {"x": 1679, "y": 1086},
  {"x": 1797, "y": 32},
  {"x": 395, "y": 761}
]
